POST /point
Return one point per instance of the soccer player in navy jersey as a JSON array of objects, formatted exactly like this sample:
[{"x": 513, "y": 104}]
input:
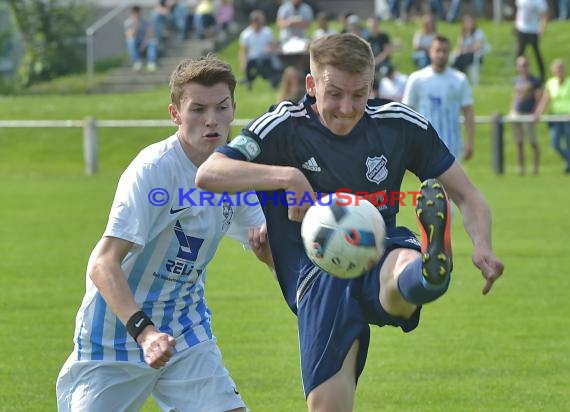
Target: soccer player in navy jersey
[
  {"x": 144, "y": 326},
  {"x": 337, "y": 138}
]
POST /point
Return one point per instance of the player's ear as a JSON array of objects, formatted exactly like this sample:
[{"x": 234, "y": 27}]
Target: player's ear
[
  {"x": 310, "y": 85},
  {"x": 174, "y": 115}
]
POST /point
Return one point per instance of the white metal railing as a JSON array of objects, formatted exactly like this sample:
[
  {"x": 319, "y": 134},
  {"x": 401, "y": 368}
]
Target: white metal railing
[
  {"x": 237, "y": 122},
  {"x": 90, "y": 126},
  {"x": 90, "y": 37}
]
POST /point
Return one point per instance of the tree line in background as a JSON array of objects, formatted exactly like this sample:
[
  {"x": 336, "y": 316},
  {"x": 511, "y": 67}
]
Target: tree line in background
[{"x": 44, "y": 37}]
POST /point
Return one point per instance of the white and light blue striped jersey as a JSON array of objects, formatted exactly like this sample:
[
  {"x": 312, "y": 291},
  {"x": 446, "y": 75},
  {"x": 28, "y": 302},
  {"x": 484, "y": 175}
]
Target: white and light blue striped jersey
[
  {"x": 176, "y": 229},
  {"x": 440, "y": 97}
]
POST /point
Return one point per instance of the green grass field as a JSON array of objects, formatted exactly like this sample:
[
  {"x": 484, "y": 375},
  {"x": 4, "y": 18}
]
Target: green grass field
[{"x": 508, "y": 351}]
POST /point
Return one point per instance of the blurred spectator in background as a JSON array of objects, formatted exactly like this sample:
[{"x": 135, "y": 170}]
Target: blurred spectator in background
[
  {"x": 324, "y": 28},
  {"x": 471, "y": 45},
  {"x": 292, "y": 85},
  {"x": 563, "y": 6},
  {"x": 343, "y": 20},
  {"x": 205, "y": 19},
  {"x": 169, "y": 14},
  {"x": 455, "y": 8},
  {"x": 394, "y": 6},
  {"x": 190, "y": 12},
  {"x": 225, "y": 14},
  {"x": 354, "y": 26},
  {"x": 557, "y": 94},
  {"x": 422, "y": 40},
  {"x": 392, "y": 85},
  {"x": 141, "y": 41},
  {"x": 530, "y": 22},
  {"x": 257, "y": 51},
  {"x": 381, "y": 48},
  {"x": 160, "y": 17},
  {"x": 526, "y": 95},
  {"x": 293, "y": 19},
  {"x": 434, "y": 6}
]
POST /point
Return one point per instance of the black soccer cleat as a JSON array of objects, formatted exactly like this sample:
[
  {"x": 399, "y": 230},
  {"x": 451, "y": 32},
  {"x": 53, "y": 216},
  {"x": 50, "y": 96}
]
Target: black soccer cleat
[{"x": 434, "y": 218}]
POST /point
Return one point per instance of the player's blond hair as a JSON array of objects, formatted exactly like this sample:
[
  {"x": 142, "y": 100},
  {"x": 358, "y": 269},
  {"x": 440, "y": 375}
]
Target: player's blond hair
[
  {"x": 346, "y": 52},
  {"x": 207, "y": 71}
]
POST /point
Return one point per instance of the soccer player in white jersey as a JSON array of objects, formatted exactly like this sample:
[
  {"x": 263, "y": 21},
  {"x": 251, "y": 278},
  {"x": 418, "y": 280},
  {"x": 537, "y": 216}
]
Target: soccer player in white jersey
[
  {"x": 441, "y": 94},
  {"x": 337, "y": 138},
  {"x": 144, "y": 326}
]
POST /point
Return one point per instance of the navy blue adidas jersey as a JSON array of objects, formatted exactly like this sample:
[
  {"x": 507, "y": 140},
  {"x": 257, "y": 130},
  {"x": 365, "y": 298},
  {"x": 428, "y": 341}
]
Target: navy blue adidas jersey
[{"x": 390, "y": 139}]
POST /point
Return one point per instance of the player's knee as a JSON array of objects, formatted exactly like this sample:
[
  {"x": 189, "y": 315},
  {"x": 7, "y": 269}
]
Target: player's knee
[{"x": 322, "y": 403}]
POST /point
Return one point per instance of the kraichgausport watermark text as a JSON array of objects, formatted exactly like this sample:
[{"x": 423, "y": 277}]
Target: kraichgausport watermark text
[{"x": 197, "y": 197}]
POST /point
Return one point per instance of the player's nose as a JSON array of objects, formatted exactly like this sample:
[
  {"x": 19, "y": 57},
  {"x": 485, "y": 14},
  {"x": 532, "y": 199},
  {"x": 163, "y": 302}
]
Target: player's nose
[
  {"x": 211, "y": 118},
  {"x": 345, "y": 106}
]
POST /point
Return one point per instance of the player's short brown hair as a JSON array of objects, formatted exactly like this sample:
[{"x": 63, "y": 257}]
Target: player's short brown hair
[{"x": 207, "y": 71}]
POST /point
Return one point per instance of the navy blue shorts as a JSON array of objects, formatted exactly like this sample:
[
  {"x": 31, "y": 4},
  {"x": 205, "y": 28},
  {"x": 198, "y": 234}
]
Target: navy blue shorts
[{"x": 333, "y": 313}]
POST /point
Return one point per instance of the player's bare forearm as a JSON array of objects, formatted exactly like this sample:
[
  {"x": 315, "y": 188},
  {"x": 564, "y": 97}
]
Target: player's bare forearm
[
  {"x": 109, "y": 278},
  {"x": 476, "y": 216},
  {"x": 474, "y": 209},
  {"x": 220, "y": 173}
]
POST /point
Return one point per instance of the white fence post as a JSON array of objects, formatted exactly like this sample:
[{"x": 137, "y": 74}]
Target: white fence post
[{"x": 90, "y": 148}]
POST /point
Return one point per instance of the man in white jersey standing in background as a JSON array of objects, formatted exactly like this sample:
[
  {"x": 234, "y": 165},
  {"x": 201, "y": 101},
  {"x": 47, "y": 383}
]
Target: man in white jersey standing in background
[
  {"x": 441, "y": 93},
  {"x": 144, "y": 326},
  {"x": 530, "y": 24}
]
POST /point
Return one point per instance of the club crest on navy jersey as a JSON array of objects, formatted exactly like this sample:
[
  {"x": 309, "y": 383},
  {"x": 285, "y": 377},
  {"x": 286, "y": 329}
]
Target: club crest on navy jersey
[{"x": 376, "y": 169}]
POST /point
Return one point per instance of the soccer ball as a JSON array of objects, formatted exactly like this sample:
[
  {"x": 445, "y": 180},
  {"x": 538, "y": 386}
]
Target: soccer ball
[{"x": 344, "y": 235}]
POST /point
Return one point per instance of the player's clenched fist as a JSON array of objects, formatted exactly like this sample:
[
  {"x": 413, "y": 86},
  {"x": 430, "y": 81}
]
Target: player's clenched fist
[{"x": 157, "y": 347}]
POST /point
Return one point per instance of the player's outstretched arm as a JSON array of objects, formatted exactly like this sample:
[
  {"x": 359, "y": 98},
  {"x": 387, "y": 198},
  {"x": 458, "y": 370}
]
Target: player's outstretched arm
[
  {"x": 219, "y": 173},
  {"x": 109, "y": 278},
  {"x": 476, "y": 217}
]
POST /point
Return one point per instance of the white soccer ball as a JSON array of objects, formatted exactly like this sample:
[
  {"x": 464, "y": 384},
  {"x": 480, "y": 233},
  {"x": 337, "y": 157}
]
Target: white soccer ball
[{"x": 344, "y": 235}]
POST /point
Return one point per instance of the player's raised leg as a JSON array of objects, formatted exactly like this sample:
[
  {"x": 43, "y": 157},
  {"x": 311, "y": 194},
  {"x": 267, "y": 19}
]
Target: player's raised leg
[{"x": 408, "y": 278}]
